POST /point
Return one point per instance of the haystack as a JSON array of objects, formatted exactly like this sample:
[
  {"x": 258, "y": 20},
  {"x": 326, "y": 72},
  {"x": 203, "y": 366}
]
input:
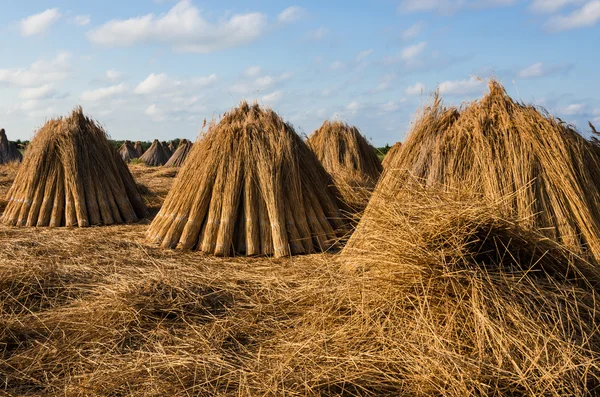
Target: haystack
[
  {"x": 250, "y": 186},
  {"x": 349, "y": 158},
  {"x": 180, "y": 154},
  {"x": 127, "y": 152},
  {"x": 156, "y": 154},
  {"x": 494, "y": 148},
  {"x": 171, "y": 147},
  {"x": 139, "y": 149},
  {"x": 167, "y": 148},
  {"x": 8, "y": 150},
  {"x": 391, "y": 153},
  {"x": 72, "y": 176}
]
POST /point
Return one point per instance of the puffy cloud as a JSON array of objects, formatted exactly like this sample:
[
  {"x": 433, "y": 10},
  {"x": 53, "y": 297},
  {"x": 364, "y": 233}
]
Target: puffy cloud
[
  {"x": 290, "y": 14},
  {"x": 272, "y": 98},
  {"x": 416, "y": 89},
  {"x": 363, "y": 54},
  {"x": 103, "y": 93},
  {"x": 574, "y": 109},
  {"x": 152, "y": 83},
  {"x": 40, "y": 72},
  {"x": 469, "y": 86},
  {"x": 82, "y": 20},
  {"x": 318, "y": 34},
  {"x": 39, "y": 23},
  {"x": 252, "y": 71},
  {"x": 113, "y": 75},
  {"x": 413, "y": 31},
  {"x": 549, "y": 6},
  {"x": 41, "y": 92},
  {"x": 449, "y": 6},
  {"x": 586, "y": 16},
  {"x": 260, "y": 82},
  {"x": 409, "y": 53},
  {"x": 539, "y": 69}
]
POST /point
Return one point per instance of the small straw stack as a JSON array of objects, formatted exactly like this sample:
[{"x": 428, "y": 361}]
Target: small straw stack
[
  {"x": 180, "y": 154},
  {"x": 8, "y": 150},
  {"x": 156, "y": 155},
  {"x": 139, "y": 149},
  {"x": 391, "y": 153},
  {"x": 72, "y": 176},
  {"x": 127, "y": 152},
  {"x": 350, "y": 159},
  {"x": 171, "y": 147},
  {"x": 250, "y": 186}
]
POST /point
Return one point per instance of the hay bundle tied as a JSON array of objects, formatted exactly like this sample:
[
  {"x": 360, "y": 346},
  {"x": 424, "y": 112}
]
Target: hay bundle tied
[
  {"x": 391, "y": 153},
  {"x": 156, "y": 155},
  {"x": 127, "y": 152},
  {"x": 250, "y": 186},
  {"x": 171, "y": 147},
  {"x": 167, "y": 148},
  {"x": 180, "y": 154},
  {"x": 494, "y": 148},
  {"x": 139, "y": 149},
  {"x": 9, "y": 151},
  {"x": 349, "y": 158},
  {"x": 72, "y": 176}
]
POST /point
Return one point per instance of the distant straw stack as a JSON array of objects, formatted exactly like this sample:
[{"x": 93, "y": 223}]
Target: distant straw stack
[
  {"x": 171, "y": 147},
  {"x": 139, "y": 149},
  {"x": 250, "y": 186},
  {"x": 180, "y": 154},
  {"x": 72, "y": 176},
  {"x": 127, "y": 152},
  {"x": 156, "y": 155},
  {"x": 8, "y": 150},
  {"x": 391, "y": 153},
  {"x": 349, "y": 158},
  {"x": 167, "y": 148},
  {"x": 496, "y": 148}
]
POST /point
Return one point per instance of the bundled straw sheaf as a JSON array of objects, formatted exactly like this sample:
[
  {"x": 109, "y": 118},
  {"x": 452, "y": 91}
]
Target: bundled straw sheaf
[
  {"x": 139, "y": 149},
  {"x": 391, "y": 153},
  {"x": 180, "y": 154},
  {"x": 250, "y": 186},
  {"x": 156, "y": 155},
  {"x": 127, "y": 152},
  {"x": 72, "y": 176},
  {"x": 171, "y": 147},
  {"x": 349, "y": 158},
  {"x": 8, "y": 150},
  {"x": 496, "y": 147}
]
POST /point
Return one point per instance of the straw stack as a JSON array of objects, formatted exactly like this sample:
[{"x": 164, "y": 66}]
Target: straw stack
[
  {"x": 250, "y": 186},
  {"x": 127, "y": 152},
  {"x": 496, "y": 148},
  {"x": 72, "y": 176},
  {"x": 139, "y": 149},
  {"x": 180, "y": 154},
  {"x": 171, "y": 147},
  {"x": 8, "y": 150},
  {"x": 390, "y": 154},
  {"x": 349, "y": 158},
  {"x": 156, "y": 155},
  {"x": 167, "y": 148}
]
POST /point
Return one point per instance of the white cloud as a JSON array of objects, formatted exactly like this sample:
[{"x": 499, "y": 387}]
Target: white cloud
[
  {"x": 155, "y": 113},
  {"x": 252, "y": 71},
  {"x": 152, "y": 83},
  {"x": 103, "y": 93},
  {"x": 535, "y": 70},
  {"x": 40, "y": 72},
  {"x": 363, "y": 54},
  {"x": 354, "y": 107},
  {"x": 318, "y": 34},
  {"x": 184, "y": 29},
  {"x": 337, "y": 65},
  {"x": 409, "y": 53},
  {"x": 260, "y": 82},
  {"x": 39, "y": 23},
  {"x": 469, "y": 86},
  {"x": 550, "y": 6},
  {"x": 202, "y": 81},
  {"x": 416, "y": 89},
  {"x": 290, "y": 14},
  {"x": 82, "y": 20},
  {"x": 575, "y": 109},
  {"x": 389, "y": 107},
  {"x": 385, "y": 83},
  {"x": 586, "y": 16},
  {"x": 412, "y": 31},
  {"x": 41, "y": 92},
  {"x": 113, "y": 75},
  {"x": 449, "y": 6},
  {"x": 272, "y": 98}
]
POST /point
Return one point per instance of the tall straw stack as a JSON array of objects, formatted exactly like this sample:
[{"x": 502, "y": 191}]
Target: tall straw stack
[
  {"x": 167, "y": 148},
  {"x": 8, "y": 150},
  {"x": 349, "y": 158},
  {"x": 180, "y": 154},
  {"x": 156, "y": 154},
  {"x": 72, "y": 176},
  {"x": 127, "y": 152},
  {"x": 250, "y": 186},
  {"x": 139, "y": 149},
  {"x": 391, "y": 153},
  {"x": 495, "y": 148},
  {"x": 171, "y": 147}
]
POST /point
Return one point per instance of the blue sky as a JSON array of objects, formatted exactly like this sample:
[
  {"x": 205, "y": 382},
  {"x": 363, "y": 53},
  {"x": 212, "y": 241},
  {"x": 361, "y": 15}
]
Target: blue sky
[{"x": 157, "y": 68}]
